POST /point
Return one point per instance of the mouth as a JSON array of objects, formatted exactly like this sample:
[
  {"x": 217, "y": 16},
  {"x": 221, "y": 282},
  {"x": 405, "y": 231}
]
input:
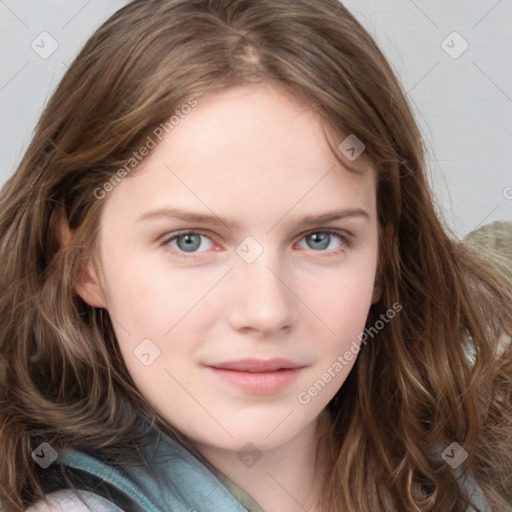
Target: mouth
[
  {"x": 257, "y": 376},
  {"x": 257, "y": 365}
]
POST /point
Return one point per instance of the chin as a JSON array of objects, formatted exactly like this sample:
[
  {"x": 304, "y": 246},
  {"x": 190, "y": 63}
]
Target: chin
[{"x": 263, "y": 433}]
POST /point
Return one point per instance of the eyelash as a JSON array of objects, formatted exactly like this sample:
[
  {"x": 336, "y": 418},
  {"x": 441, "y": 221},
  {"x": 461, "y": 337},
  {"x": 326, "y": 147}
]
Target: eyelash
[{"x": 345, "y": 239}]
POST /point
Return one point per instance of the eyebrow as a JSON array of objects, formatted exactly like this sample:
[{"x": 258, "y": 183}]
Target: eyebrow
[{"x": 215, "y": 220}]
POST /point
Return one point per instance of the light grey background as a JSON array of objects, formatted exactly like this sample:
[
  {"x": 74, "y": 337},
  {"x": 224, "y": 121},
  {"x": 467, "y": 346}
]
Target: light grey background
[{"x": 463, "y": 103}]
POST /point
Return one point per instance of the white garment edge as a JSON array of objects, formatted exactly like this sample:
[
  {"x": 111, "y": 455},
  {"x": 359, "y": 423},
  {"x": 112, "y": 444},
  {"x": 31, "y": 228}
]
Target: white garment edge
[{"x": 65, "y": 500}]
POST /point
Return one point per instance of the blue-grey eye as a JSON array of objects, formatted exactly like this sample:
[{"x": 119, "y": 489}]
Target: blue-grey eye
[
  {"x": 321, "y": 240},
  {"x": 187, "y": 242},
  {"x": 190, "y": 242}
]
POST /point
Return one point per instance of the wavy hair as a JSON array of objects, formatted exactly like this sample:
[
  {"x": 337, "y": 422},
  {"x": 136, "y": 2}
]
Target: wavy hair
[{"x": 412, "y": 392}]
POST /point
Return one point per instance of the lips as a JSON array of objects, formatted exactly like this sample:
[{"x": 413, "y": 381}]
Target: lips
[
  {"x": 256, "y": 376},
  {"x": 257, "y": 365}
]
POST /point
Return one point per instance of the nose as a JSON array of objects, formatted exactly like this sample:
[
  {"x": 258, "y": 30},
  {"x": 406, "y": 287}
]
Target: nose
[{"x": 263, "y": 301}]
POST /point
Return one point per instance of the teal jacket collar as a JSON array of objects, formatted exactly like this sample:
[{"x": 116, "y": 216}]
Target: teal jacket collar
[{"x": 172, "y": 480}]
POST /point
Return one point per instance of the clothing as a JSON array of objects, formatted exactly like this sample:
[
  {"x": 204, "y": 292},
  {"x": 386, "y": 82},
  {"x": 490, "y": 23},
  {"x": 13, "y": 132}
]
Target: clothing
[
  {"x": 66, "y": 501},
  {"x": 176, "y": 481}
]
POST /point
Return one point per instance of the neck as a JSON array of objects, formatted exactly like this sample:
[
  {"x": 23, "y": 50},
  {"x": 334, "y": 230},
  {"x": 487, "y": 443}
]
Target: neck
[{"x": 287, "y": 478}]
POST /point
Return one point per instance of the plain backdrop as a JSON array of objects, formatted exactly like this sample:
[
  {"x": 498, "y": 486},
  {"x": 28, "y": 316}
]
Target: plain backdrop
[{"x": 452, "y": 57}]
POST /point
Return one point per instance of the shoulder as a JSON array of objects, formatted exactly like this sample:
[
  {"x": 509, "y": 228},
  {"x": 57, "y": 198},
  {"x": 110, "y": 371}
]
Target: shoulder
[{"x": 66, "y": 500}]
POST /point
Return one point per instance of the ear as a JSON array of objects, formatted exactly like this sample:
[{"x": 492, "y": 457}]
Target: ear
[
  {"x": 377, "y": 292},
  {"x": 377, "y": 288},
  {"x": 88, "y": 285}
]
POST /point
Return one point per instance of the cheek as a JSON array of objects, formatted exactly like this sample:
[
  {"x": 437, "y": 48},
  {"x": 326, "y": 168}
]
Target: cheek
[
  {"x": 344, "y": 312},
  {"x": 169, "y": 307},
  {"x": 344, "y": 298},
  {"x": 342, "y": 302},
  {"x": 150, "y": 299}
]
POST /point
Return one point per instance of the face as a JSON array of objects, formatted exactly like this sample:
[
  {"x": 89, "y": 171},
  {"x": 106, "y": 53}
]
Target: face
[{"x": 234, "y": 302}]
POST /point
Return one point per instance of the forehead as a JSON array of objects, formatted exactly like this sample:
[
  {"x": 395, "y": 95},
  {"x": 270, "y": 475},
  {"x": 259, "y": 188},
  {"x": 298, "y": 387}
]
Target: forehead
[
  {"x": 254, "y": 147},
  {"x": 260, "y": 120}
]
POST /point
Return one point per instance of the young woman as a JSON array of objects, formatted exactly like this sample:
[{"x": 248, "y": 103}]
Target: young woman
[{"x": 226, "y": 287}]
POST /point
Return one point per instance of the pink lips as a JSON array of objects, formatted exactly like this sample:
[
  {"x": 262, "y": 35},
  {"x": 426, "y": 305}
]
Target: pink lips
[{"x": 257, "y": 376}]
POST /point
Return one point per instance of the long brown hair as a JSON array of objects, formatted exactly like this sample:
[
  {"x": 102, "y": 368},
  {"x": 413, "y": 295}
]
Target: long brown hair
[{"x": 413, "y": 390}]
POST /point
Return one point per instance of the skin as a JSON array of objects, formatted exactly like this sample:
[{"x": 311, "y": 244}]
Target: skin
[{"x": 255, "y": 156}]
